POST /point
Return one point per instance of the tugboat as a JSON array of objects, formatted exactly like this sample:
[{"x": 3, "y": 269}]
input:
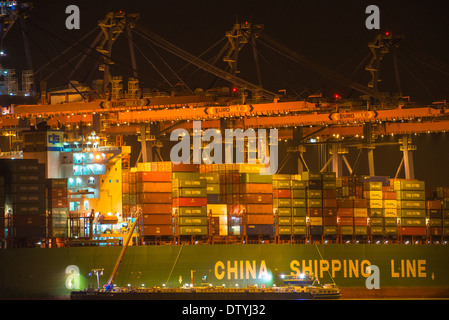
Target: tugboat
[{"x": 311, "y": 285}]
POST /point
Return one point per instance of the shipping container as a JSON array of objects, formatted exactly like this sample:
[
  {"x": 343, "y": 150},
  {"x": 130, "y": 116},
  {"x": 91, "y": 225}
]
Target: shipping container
[
  {"x": 152, "y": 187},
  {"x": 155, "y": 208},
  {"x": 259, "y": 229},
  {"x": 259, "y": 208},
  {"x": 195, "y": 211},
  {"x": 156, "y": 197},
  {"x": 153, "y": 177},
  {"x": 189, "y": 202},
  {"x": 152, "y": 219},
  {"x": 192, "y": 221},
  {"x": 157, "y": 230}
]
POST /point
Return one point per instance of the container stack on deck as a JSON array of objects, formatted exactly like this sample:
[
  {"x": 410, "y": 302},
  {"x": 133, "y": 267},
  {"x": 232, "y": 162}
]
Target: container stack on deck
[
  {"x": 57, "y": 205},
  {"x": 258, "y": 205},
  {"x": 25, "y": 197},
  {"x": 411, "y": 206},
  {"x": 154, "y": 197},
  {"x": 314, "y": 194},
  {"x": 189, "y": 200},
  {"x": 3, "y": 222},
  {"x": 441, "y": 195}
]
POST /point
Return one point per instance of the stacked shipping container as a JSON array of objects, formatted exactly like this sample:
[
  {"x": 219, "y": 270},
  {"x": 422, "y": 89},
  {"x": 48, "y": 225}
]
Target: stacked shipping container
[
  {"x": 25, "y": 197},
  {"x": 411, "y": 206},
  {"x": 190, "y": 200},
  {"x": 154, "y": 198},
  {"x": 257, "y": 200},
  {"x": 57, "y": 205}
]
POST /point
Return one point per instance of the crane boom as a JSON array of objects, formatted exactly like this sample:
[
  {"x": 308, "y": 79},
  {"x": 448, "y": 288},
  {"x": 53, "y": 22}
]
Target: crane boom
[{"x": 108, "y": 286}]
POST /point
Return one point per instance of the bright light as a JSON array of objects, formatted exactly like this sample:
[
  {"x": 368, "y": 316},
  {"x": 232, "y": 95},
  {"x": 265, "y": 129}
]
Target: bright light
[{"x": 301, "y": 276}]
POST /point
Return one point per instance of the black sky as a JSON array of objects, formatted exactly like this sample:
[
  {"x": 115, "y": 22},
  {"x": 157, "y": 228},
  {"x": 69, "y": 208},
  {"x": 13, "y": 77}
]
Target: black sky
[{"x": 331, "y": 33}]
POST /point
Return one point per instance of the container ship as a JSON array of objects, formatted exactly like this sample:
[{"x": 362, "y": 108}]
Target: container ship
[
  {"x": 228, "y": 223},
  {"x": 70, "y": 195}
]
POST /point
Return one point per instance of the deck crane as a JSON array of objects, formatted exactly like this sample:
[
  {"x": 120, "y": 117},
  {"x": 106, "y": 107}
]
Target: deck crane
[{"x": 108, "y": 286}]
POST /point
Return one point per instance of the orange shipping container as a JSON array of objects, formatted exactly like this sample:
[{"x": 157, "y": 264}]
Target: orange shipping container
[
  {"x": 259, "y": 219},
  {"x": 345, "y": 203},
  {"x": 189, "y": 202},
  {"x": 314, "y": 212},
  {"x": 360, "y": 221},
  {"x": 153, "y": 187},
  {"x": 256, "y": 198},
  {"x": 346, "y": 221},
  {"x": 433, "y": 204},
  {"x": 256, "y": 188},
  {"x": 157, "y": 230},
  {"x": 282, "y": 193},
  {"x": 157, "y": 219},
  {"x": 156, "y": 208},
  {"x": 259, "y": 208},
  {"x": 153, "y": 176},
  {"x": 185, "y": 167},
  {"x": 154, "y": 197},
  {"x": 329, "y": 203},
  {"x": 345, "y": 212},
  {"x": 360, "y": 203},
  {"x": 389, "y": 195},
  {"x": 329, "y": 212}
]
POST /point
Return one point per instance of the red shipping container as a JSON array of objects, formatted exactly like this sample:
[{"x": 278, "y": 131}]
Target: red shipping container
[
  {"x": 314, "y": 212},
  {"x": 359, "y": 221},
  {"x": 389, "y": 195},
  {"x": 154, "y": 176},
  {"x": 157, "y": 219},
  {"x": 329, "y": 212},
  {"x": 330, "y": 221},
  {"x": 413, "y": 231},
  {"x": 157, "y": 230},
  {"x": 189, "y": 202},
  {"x": 345, "y": 203},
  {"x": 282, "y": 193},
  {"x": 329, "y": 203},
  {"x": 345, "y": 212},
  {"x": 360, "y": 203},
  {"x": 346, "y": 221}
]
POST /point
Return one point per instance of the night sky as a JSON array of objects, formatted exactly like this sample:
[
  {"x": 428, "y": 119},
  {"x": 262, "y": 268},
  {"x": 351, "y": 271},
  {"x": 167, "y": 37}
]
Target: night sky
[{"x": 330, "y": 33}]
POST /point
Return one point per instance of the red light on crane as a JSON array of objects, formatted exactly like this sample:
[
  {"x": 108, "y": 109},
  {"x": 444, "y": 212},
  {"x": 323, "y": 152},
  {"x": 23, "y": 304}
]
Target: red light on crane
[
  {"x": 234, "y": 90},
  {"x": 336, "y": 96}
]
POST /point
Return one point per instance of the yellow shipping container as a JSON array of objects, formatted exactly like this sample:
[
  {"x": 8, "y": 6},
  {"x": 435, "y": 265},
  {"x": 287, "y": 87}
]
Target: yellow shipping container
[
  {"x": 316, "y": 221},
  {"x": 375, "y": 204},
  {"x": 372, "y": 195},
  {"x": 390, "y": 213},
  {"x": 390, "y": 204}
]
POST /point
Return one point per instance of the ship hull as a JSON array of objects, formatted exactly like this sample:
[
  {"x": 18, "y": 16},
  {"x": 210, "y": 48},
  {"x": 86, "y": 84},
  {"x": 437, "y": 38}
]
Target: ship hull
[{"x": 403, "y": 270}]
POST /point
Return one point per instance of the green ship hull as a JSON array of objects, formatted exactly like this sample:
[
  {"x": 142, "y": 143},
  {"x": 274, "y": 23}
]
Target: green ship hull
[{"x": 414, "y": 270}]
